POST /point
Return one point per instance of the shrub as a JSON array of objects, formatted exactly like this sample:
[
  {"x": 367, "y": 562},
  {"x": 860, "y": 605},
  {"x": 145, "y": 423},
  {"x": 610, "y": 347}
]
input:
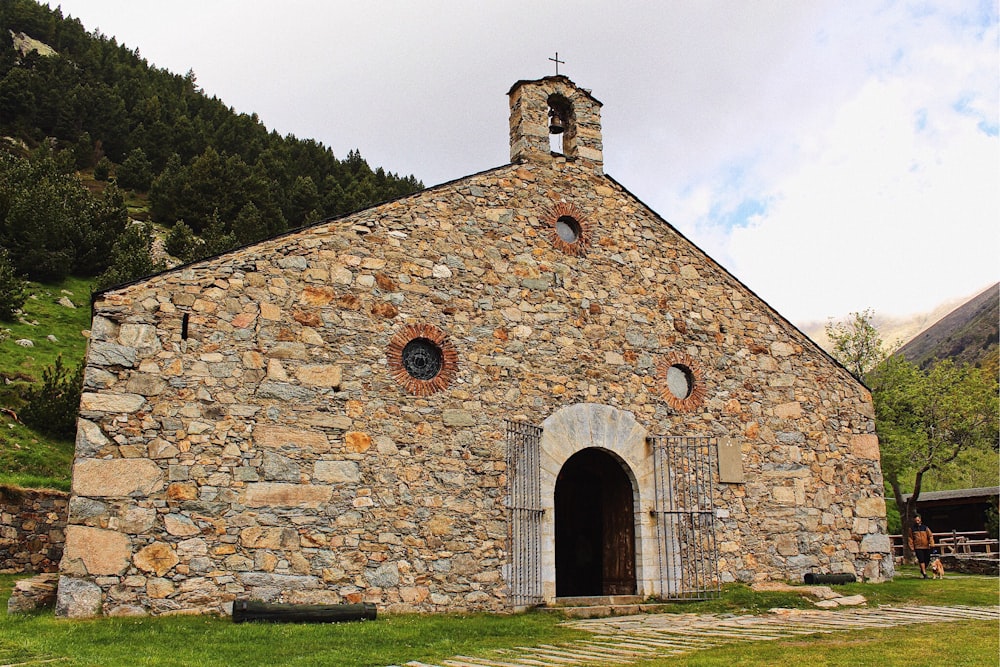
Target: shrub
[
  {"x": 53, "y": 407},
  {"x": 102, "y": 171}
]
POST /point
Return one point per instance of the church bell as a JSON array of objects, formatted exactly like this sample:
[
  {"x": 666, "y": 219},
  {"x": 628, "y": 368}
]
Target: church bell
[{"x": 556, "y": 123}]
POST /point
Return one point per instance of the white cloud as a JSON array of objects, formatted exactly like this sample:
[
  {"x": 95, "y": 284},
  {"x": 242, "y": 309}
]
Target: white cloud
[{"x": 890, "y": 202}]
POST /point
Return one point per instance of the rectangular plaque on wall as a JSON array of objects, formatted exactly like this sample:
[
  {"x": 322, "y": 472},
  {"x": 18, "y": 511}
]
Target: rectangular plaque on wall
[{"x": 730, "y": 461}]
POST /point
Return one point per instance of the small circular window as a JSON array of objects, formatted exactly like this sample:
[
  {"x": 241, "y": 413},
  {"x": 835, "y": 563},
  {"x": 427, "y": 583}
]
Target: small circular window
[
  {"x": 422, "y": 359},
  {"x": 568, "y": 229},
  {"x": 682, "y": 381}
]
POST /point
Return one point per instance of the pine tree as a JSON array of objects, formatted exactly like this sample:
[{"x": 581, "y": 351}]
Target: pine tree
[
  {"x": 131, "y": 258},
  {"x": 13, "y": 288}
]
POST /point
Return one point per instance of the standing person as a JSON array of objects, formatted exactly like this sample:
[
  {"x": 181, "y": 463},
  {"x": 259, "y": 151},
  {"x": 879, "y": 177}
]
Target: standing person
[{"x": 921, "y": 543}]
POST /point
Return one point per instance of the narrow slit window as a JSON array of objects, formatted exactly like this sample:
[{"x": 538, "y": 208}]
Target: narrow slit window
[{"x": 184, "y": 326}]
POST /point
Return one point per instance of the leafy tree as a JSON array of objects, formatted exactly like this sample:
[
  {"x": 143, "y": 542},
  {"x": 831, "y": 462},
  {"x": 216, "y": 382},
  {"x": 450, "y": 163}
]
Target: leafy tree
[
  {"x": 83, "y": 151},
  {"x": 165, "y": 191},
  {"x": 304, "y": 199},
  {"x": 216, "y": 239},
  {"x": 993, "y": 521},
  {"x": 927, "y": 419},
  {"x": 105, "y": 219},
  {"x": 13, "y": 288},
  {"x": 973, "y": 468},
  {"x": 38, "y": 206},
  {"x": 50, "y": 223},
  {"x": 17, "y": 99},
  {"x": 52, "y": 407},
  {"x": 857, "y": 343}
]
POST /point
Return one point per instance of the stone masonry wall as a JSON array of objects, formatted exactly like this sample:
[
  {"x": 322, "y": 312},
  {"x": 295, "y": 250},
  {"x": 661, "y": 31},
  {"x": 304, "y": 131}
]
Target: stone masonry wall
[
  {"x": 271, "y": 454},
  {"x": 32, "y": 529}
]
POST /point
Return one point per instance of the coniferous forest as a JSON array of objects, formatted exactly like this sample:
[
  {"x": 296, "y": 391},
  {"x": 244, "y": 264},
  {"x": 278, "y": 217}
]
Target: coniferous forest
[
  {"x": 89, "y": 126},
  {"x": 111, "y": 170}
]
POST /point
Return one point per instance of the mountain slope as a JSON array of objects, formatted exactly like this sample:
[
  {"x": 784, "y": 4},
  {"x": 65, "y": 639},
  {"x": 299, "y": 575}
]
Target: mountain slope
[
  {"x": 895, "y": 330},
  {"x": 104, "y": 109},
  {"x": 968, "y": 334}
]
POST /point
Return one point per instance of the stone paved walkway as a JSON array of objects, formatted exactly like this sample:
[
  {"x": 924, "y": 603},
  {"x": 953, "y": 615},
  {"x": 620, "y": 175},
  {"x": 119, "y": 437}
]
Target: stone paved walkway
[{"x": 624, "y": 640}]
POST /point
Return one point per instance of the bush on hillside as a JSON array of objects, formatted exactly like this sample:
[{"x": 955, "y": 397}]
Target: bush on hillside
[
  {"x": 52, "y": 407},
  {"x": 102, "y": 171}
]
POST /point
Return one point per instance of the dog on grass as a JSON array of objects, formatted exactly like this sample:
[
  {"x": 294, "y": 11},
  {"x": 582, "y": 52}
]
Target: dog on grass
[{"x": 937, "y": 568}]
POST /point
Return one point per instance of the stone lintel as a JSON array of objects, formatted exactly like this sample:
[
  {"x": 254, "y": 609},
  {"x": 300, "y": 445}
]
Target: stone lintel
[
  {"x": 98, "y": 478},
  {"x": 264, "y": 494},
  {"x": 281, "y": 436}
]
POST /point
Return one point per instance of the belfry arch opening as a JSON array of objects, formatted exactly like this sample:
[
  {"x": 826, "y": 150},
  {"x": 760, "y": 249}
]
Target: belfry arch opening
[
  {"x": 562, "y": 125},
  {"x": 594, "y": 526}
]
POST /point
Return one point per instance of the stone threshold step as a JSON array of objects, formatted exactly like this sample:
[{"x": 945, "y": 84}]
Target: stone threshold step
[
  {"x": 609, "y": 609},
  {"x": 593, "y": 600}
]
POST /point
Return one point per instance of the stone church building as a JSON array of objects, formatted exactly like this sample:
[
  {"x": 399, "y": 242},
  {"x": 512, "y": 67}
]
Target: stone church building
[{"x": 519, "y": 386}]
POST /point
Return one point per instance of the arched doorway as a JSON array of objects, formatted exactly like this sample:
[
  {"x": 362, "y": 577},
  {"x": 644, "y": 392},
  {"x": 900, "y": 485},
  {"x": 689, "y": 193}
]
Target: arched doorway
[{"x": 594, "y": 527}]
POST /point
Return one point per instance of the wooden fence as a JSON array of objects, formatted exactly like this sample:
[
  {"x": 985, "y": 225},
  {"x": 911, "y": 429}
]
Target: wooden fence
[{"x": 970, "y": 543}]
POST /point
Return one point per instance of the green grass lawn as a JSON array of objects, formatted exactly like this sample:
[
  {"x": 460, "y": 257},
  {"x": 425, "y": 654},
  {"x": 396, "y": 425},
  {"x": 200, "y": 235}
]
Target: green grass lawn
[
  {"x": 44, "y": 316},
  {"x": 28, "y": 458},
  {"x": 959, "y": 644},
  {"x": 396, "y": 639}
]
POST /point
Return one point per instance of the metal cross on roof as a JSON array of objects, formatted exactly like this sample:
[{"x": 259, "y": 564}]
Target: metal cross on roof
[{"x": 557, "y": 61}]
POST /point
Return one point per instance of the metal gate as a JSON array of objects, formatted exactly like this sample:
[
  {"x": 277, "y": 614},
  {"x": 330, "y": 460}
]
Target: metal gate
[
  {"x": 524, "y": 498},
  {"x": 688, "y": 557}
]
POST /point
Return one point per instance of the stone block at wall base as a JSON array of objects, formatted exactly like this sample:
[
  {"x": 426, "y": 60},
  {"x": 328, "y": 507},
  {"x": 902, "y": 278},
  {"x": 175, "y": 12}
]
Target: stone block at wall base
[
  {"x": 38, "y": 592},
  {"x": 78, "y": 598}
]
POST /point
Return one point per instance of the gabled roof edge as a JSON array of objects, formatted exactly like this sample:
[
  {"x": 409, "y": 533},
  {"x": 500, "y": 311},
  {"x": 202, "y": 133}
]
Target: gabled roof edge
[
  {"x": 287, "y": 232},
  {"x": 778, "y": 315}
]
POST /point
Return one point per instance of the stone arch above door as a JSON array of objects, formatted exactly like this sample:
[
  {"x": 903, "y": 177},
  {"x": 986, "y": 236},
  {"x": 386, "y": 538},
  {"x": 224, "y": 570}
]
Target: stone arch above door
[
  {"x": 585, "y": 425},
  {"x": 576, "y": 427}
]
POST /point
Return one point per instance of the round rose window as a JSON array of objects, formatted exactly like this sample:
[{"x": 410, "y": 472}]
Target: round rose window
[
  {"x": 422, "y": 359},
  {"x": 682, "y": 381},
  {"x": 569, "y": 231}
]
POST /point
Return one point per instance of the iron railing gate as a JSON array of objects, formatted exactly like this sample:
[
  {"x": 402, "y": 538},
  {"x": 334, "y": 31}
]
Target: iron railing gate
[
  {"x": 688, "y": 557},
  {"x": 524, "y": 498}
]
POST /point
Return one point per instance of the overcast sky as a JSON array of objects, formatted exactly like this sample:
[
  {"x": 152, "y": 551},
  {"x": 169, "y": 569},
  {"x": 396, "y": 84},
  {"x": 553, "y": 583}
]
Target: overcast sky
[{"x": 834, "y": 155}]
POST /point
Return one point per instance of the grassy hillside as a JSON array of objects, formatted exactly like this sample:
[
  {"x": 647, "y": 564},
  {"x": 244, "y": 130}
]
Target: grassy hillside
[{"x": 28, "y": 458}]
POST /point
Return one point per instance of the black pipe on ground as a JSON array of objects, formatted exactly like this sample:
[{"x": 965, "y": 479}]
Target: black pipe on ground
[
  {"x": 813, "y": 578},
  {"x": 252, "y": 610}
]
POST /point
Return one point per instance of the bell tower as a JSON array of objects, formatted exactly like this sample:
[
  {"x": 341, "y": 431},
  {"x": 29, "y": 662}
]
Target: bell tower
[{"x": 554, "y": 105}]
